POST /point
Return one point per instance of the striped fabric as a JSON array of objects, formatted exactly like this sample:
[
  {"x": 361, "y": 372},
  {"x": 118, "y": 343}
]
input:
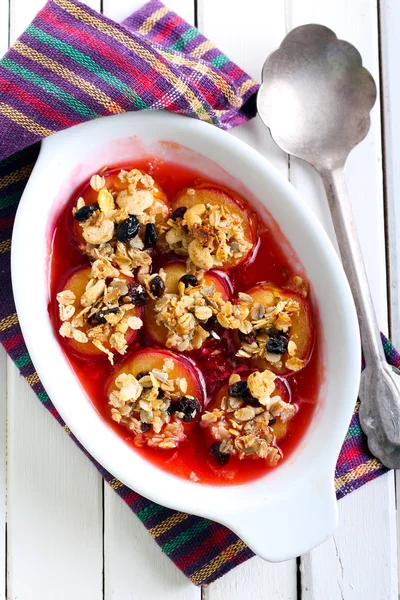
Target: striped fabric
[{"x": 71, "y": 65}]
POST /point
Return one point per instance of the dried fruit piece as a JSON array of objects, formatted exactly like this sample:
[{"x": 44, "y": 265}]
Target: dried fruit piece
[
  {"x": 128, "y": 229},
  {"x": 137, "y": 294},
  {"x": 187, "y": 406},
  {"x": 221, "y": 457},
  {"x": 189, "y": 279},
  {"x": 239, "y": 389},
  {"x": 178, "y": 213},
  {"x": 150, "y": 236},
  {"x": 85, "y": 212},
  {"x": 157, "y": 286},
  {"x": 277, "y": 344}
]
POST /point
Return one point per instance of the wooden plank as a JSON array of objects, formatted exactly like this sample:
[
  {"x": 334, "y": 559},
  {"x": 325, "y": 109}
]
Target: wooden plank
[
  {"x": 3, "y": 470},
  {"x": 135, "y": 567},
  {"x": 55, "y": 546},
  {"x": 359, "y": 561},
  {"x": 54, "y": 529},
  {"x": 247, "y": 35},
  {"x": 390, "y": 80}
]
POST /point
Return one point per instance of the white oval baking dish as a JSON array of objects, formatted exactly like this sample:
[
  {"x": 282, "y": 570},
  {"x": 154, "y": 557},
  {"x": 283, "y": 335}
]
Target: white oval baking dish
[{"x": 292, "y": 508}]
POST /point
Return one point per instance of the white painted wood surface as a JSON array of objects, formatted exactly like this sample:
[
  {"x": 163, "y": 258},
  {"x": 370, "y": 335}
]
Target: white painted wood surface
[{"x": 68, "y": 536}]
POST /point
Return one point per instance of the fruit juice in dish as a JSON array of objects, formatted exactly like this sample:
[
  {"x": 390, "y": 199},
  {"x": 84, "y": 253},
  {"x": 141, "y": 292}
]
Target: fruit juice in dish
[{"x": 186, "y": 270}]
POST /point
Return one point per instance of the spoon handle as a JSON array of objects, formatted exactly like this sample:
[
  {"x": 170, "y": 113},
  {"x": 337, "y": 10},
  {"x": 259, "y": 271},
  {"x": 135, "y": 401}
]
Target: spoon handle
[
  {"x": 343, "y": 221},
  {"x": 380, "y": 386}
]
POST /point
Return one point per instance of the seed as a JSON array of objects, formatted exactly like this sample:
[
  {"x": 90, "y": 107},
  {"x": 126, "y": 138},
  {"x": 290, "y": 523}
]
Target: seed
[
  {"x": 145, "y": 427},
  {"x": 277, "y": 344},
  {"x": 238, "y": 389},
  {"x": 157, "y": 287},
  {"x": 150, "y": 236},
  {"x": 178, "y": 213},
  {"x": 189, "y": 279},
  {"x": 99, "y": 317},
  {"x": 137, "y": 293},
  {"x": 83, "y": 214},
  {"x": 127, "y": 229},
  {"x": 221, "y": 457}
]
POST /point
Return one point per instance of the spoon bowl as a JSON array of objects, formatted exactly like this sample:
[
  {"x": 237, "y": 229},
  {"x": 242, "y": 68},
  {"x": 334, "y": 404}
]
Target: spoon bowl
[{"x": 316, "y": 96}]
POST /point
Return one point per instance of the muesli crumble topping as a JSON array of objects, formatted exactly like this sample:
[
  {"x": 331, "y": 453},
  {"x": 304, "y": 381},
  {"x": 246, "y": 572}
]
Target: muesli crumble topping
[
  {"x": 104, "y": 313},
  {"x": 186, "y": 313},
  {"x": 121, "y": 225},
  {"x": 242, "y": 424},
  {"x": 155, "y": 405},
  {"x": 264, "y": 328},
  {"x": 209, "y": 234}
]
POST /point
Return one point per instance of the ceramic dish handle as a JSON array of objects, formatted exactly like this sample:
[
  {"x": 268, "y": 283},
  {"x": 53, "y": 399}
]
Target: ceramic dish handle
[{"x": 290, "y": 525}]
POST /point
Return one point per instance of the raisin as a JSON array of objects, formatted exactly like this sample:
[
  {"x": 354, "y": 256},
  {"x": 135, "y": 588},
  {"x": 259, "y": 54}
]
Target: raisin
[
  {"x": 137, "y": 293},
  {"x": 188, "y": 406},
  {"x": 98, "y": 318},
  {"x": 128, "y": 229},
  {"x": 272, "y": 421},
  {"x": 189, "y": 279},
  {"x": 277, "y": 344},
  {"x": 178, "y": 213},
  {"x": 238, "y": 389},
  {"x": 157, "y": 286},
  {"x": 251, "y": 401},
  {"x": 142, "y": 374},
  {"x": 82, "y": 214},
  {"x": 150, "y": 236},
  {"x": 161, "y": 394},
  {"x": 145, "y": 427},
  {"x": 247, "y": 338},
  {"x": 211, "y": 324},
  {"x": 221, "y": 457}
]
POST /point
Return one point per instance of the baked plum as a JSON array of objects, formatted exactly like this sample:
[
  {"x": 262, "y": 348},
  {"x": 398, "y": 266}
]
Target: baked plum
[
  {"x": 247, "y": 417},
  {"x": 212, "y": 226},
  {"x": 183, "y": 318},
  {"x": 97, "y": 315},
  {"x": 277, "y": 329},
  {"x": 117, "y": 205},
  {"x": 158, "y": 396}
]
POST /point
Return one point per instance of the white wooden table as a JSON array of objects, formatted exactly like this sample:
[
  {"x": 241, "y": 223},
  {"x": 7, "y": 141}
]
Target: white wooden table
[{"x": 67, "y": 536}]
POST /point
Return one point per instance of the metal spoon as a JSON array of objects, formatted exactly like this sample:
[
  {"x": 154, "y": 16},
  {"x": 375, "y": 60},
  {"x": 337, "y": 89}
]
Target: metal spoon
[{"x": 316, "y": 98}]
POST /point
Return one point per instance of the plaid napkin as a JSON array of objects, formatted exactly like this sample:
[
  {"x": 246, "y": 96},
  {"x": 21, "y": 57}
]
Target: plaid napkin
[{"x": 72, "y": 64}]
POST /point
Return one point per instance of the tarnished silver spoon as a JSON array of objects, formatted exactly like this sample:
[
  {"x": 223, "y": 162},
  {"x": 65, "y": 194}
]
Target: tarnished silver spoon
[{"x": 316, "y": 98}]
